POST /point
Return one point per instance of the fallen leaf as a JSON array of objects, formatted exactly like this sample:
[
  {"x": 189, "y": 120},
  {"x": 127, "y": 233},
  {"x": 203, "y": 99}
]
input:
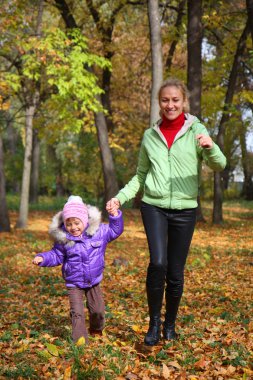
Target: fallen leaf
[
  {"x": 52, "y": 349},
  {"x": 166, "y": 372},
  {"x": 202, "y": 363},
  {"x": 80, "y": 342},
  {"x": 67, "y": 373},
  {"x": 136, "y": 328},
  {"x": 174, "y": 364},
  {"x": 22, "y": 348}
]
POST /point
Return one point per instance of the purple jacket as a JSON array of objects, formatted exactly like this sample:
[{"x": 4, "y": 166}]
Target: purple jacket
[{"x": 82, "y": 257}]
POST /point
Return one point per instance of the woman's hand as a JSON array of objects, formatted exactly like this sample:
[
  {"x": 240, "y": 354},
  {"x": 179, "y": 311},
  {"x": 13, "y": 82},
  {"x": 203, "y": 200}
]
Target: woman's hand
[
  {"x": 37, "y": 260},
  {"x": 112, "y": 206},
  {"x": 205, "y": 141}
]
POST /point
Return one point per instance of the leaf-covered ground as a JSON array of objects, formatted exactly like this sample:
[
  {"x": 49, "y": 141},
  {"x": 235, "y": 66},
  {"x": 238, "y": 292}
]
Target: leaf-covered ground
[{"x": 214, "y": 318}]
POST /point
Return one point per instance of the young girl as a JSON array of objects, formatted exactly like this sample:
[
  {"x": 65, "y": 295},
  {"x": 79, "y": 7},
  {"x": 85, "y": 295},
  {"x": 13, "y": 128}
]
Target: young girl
[{"x": 80, "y": 243}]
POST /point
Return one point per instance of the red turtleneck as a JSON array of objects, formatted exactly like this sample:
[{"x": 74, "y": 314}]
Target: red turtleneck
[{"x": 169, "y": 128}]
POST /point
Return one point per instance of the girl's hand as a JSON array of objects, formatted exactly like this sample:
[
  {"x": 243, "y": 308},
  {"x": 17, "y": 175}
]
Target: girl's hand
[
  {"x": 112, "y": 206},
  {"x": 205, "y": 141},
  {"x": 113, "y": 213},
  {"x": 37, "y": 260}
]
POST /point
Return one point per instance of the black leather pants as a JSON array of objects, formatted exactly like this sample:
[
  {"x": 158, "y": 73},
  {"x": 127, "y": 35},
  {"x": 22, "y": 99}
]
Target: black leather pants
[{"x": 169, "y": 233}]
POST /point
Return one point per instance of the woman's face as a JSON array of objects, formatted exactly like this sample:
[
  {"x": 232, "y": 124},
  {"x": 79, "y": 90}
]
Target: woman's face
[{"x": 171, "y": 102}]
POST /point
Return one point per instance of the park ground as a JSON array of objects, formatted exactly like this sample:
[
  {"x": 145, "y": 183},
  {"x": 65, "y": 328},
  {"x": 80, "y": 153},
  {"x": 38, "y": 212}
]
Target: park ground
[{"x": 214, "y": 319}]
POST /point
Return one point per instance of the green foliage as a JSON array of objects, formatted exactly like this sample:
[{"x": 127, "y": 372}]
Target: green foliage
[
  {"x": 25, "y": 372},
  {"x": 60, "y": 61}
]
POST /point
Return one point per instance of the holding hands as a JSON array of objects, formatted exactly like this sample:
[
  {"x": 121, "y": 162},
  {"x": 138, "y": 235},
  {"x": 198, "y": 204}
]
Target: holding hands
[
  {"x": 204, "y": 141},
  {"x": 112, "y": 206}
]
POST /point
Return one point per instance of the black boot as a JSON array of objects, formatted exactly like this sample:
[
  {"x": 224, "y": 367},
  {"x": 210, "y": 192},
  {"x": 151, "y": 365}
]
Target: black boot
[
  {"x": 155, "y": 292},
  {"x": 154, "y": 332},
  {"x": 169, "y": 332},
  {"x": 155, "y": 299},
  {"x": 172, "y": 304}
]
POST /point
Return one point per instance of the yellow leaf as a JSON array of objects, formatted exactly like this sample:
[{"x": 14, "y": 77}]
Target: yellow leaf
[
  {"x": 22, "y": 348},
  {"x": 136, "y": 328},
  {"x": 80, "y": 342},
  {"x": 216, "y": 310},
  {"x": 67, "y": 373},
  {"x": 52, "y": 349},
  {"x": 248, "y": 371},
  {"x": 45, "y": 354}
]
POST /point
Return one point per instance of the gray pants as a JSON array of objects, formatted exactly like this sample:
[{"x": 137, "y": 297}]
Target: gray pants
[{"x": 96, "y": 308}]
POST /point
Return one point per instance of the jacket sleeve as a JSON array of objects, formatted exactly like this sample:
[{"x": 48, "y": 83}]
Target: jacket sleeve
[
  {"x": 115, "y": 226},
  {"x": 53, "y": 257},
  {"x": 137, "y": 182},
  {"x": 213, "y": 157}
]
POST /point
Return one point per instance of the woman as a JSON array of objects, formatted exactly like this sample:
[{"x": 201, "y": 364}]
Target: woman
[{"x": 168, "y": 171}]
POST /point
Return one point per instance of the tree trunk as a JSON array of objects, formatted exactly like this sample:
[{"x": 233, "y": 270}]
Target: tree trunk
[
  {"x": 35, "y": 168},
  {"x": 218, "y": 198},
  {"x": 57, "y": 170},
  {"x": 106, "y": 96},
  {"x": 4, "y": 216},
  {"x": 12, "y": 138},
  {"x": 218, "y": 186},
  {"x": 250, "y": 16},
  {"x": 31, "y": 106},
  {"x": 247, "y": 191},
  {"x": 157, "y": 55},
  {"x": 111, "y": 186},
  {"x": 194, "y": 66},
  {"x": 24, "y": 199},
  {"x": 173, "y": 45}
]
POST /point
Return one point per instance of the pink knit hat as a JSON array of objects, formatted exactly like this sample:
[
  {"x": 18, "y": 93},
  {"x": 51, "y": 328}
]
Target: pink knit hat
[{"x": 75, "y": 208}]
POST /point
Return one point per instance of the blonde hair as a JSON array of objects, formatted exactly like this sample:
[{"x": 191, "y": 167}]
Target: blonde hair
[{"x": 174, "y": 82}]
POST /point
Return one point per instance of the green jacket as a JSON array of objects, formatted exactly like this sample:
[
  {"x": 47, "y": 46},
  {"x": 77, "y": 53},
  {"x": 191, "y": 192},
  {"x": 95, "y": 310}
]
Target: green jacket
[{"x": 169, "y": 178}]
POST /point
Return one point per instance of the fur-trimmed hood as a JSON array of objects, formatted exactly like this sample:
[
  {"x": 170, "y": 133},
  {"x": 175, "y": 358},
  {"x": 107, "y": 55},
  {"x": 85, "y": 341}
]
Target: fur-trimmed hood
[{"x": 58, "y": 232}]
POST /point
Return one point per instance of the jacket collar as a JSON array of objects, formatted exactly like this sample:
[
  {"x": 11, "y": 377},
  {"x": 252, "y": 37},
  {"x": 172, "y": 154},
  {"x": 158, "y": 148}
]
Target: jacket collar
[{"x": 189, "y": 120}]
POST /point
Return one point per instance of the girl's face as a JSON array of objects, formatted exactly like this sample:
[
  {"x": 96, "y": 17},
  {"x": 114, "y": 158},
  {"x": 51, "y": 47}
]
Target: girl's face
[
  {"x": 171, "y": 102},
  {"x": 74, "y": 226}
]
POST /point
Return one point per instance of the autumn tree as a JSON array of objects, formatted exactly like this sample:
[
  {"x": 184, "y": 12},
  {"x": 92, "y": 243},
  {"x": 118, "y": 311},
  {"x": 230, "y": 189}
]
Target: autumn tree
[
  {"x": 231, "y": 87},
  {"x": 102, "y": 121},
  {"x": 50, "y": 66},
  {"x": 31, "y": 98}
]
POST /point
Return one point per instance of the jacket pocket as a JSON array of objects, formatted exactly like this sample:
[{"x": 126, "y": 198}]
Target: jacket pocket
[{"x": 96, "y": 244}]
